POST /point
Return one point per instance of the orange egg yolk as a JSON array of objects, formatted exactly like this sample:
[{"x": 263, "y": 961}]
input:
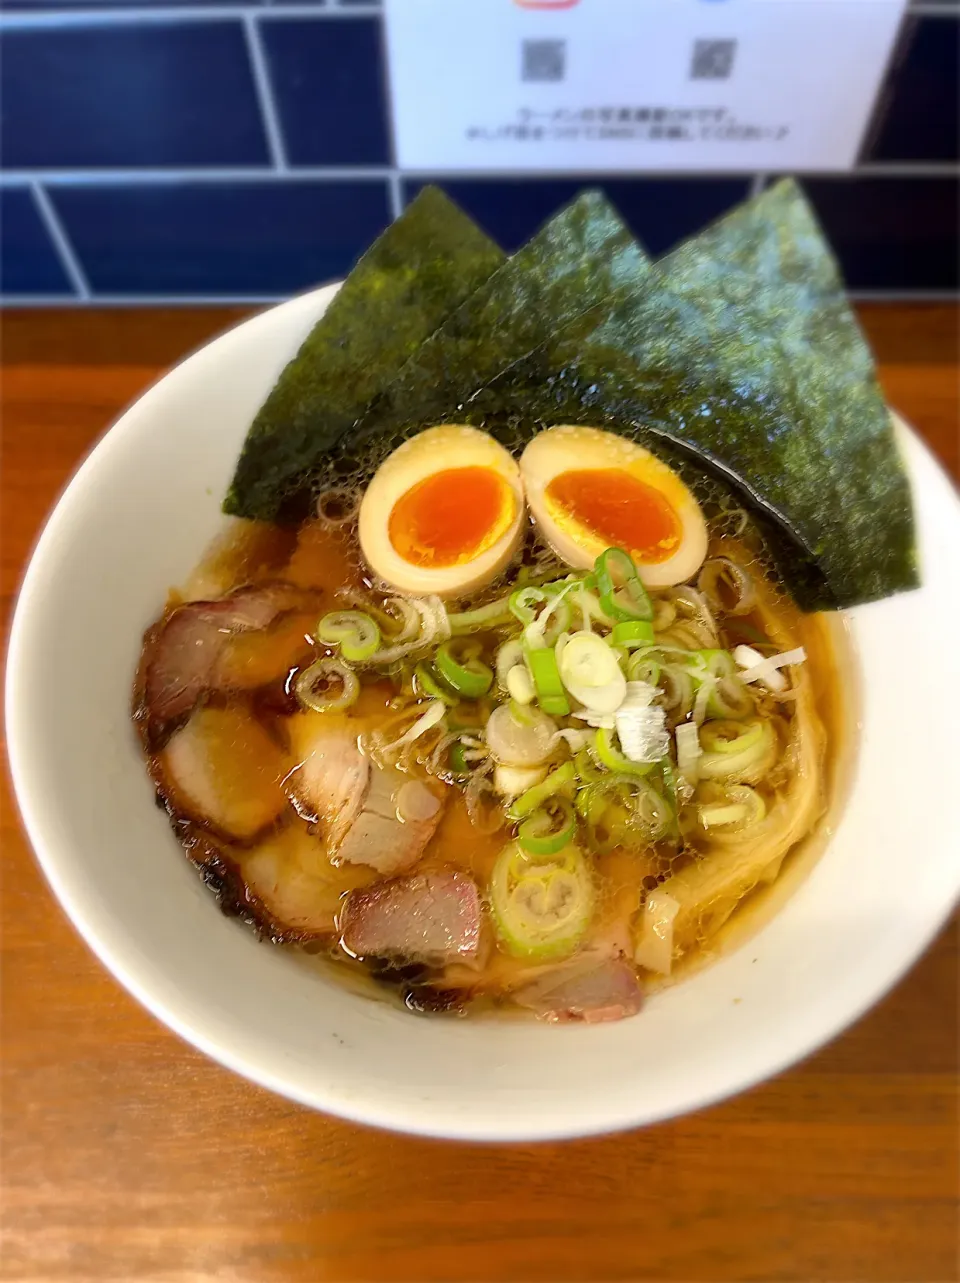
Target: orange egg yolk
[
  {"x": 452, "y": 516},
  {"x": 619, "y": 509}
]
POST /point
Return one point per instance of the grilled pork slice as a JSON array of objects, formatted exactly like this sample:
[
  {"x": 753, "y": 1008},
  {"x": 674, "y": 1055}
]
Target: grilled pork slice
[
  {"x": 205, "y": 646},
  {"x": 223, "y": 770},
  {"x": 590, "y": 988},
  {"x": 369, "y": 814},
  {"x": 431, "y": 917}
]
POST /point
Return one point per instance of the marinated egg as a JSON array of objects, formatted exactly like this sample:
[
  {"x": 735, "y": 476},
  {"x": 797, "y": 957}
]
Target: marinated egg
[
  {"x": 444, "y": 513},
  {"x": 590, "y": 490}
]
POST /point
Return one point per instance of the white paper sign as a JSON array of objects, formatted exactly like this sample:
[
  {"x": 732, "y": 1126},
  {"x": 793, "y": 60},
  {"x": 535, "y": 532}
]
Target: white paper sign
[{"x": 608, "y": 85}]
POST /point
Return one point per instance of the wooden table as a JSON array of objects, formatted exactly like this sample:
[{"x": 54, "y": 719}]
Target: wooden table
[{"x": 128, "y": 1156}]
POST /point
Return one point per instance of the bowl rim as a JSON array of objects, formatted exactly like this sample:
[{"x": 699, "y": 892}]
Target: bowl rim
[{"x": 831, "y": 1020}]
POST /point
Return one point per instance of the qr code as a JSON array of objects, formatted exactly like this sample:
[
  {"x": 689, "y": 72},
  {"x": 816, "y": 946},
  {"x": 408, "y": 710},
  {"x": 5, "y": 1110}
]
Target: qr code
[
  {"x": 543, "y": 59},
  {"x": 712, "y": 59}
]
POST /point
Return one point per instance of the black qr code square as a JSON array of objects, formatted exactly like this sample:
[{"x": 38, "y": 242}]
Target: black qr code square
[
  {"x": 712, "y": 59},
  {"x": 543, "y": 60}
]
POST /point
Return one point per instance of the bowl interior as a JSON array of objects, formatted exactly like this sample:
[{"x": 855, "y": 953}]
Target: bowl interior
[{"x": 132, "y": 523}]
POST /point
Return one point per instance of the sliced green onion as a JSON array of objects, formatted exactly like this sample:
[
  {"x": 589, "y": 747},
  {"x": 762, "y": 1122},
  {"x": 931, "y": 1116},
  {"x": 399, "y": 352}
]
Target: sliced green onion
[
  {"x": 510, "y": 655},
  {"x": 513, "y": 781},
  {"x": 727, "y": 586},
  {"x": 549, "y": 829},
  {"x": 327, "y": 670},
  {"x": 644, "y": 666},
  {"x": 556, "y": 619},
  {"x": 473, "y": 621},
  {"x": 468, "y": 676},
  {"x": 432, "y": 716},
  {"x": 546, "y": 681},
  {"x": 520, "y": 685},
  {"x": 518, "y": 736},
  {"x": 733, "y": 809},
  {"x": 541, "y": 907},
  {"x": 428, "y": 683},
  {"x": 613, "y": 759},
  {"x": 669, "y": 777},
  {"x": 625, "y": 810},
  {"x": 632, "y": 633},
  {"x": 357, "y": 635},
  {"x": 588, "y": 772},
  {"x": 458, "y": 763},
  {"x": 523, "y": 603},
  {"x": 564, "y": 777},
  {"x": 622, "y": 595},
  {"x": 591, "y": 672},
  {"x": 720, "y": 690},
  {"x": 688, "y": 752},
  {"x": 737, "y": 751}
]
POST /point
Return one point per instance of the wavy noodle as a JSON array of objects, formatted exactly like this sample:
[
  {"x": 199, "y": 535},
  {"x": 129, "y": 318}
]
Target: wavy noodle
[{"x": 713, "y": 883}]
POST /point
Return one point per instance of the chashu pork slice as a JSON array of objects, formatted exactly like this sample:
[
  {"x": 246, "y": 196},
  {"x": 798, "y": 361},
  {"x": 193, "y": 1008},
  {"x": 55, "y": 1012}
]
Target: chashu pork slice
[
  {"x": 369, "y": 814},
  {"x": 431, "y": 917}
]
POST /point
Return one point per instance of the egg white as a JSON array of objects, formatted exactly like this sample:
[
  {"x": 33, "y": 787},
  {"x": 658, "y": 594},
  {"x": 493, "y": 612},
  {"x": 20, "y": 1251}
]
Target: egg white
[
  {"x": 436, "y": 450},
  {"x": 567, "y": 448}
]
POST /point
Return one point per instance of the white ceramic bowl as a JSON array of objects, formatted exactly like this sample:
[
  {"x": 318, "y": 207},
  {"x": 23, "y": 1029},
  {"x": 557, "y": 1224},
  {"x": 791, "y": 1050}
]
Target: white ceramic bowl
[{"x": 134, "y": 521}]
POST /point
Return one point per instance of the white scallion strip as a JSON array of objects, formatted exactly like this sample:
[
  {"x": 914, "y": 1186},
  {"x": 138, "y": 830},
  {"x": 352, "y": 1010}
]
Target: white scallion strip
[
  {"x": 575, "y": 739},
  {"x": 764, "y": 669},
  {"x": 655, "y": 945},
  {"x": 600, "y": 721},
  {"x": 432, "y": 716},
  {"x": 511, "y": 781},
  {"x": 731, "y": 813},
  {"x": 688, "y": 751},
  {"x": 509, "y": 656},
  {"x": 520, "y": 685},
  {"x": 732, "y": 810},
  {"x": 641, "y": 724}
]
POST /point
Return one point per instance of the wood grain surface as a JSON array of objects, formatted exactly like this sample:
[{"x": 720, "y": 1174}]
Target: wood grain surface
[{"x": 128, "y": 1156}]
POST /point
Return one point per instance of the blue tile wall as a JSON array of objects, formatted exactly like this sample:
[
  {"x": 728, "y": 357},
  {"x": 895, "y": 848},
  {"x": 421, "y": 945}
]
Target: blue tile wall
[
  {"x": 193, "y": 150},
  {"x": 891, "y": 233},
  {"x": 263, "y": 239},
  {"x": 660, "y": 211},
  {"x": 920, "y": 111},
  {"x": 132, "y": 93},
  {"x": 330, "y": 89},
  {"x": 29, "y": 264}
]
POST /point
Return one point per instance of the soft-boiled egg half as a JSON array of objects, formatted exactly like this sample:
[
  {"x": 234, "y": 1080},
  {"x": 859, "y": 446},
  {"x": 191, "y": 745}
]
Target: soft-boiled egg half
[
  {"x": 444, "y": 513},
  {"x": 590, "y": 490}
]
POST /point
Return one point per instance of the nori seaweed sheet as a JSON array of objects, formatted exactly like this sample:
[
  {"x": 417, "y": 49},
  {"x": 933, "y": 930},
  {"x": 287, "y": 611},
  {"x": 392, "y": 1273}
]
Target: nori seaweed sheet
[
  {"x": 410, "y": 279},
  {"x": 740, "y": 350},
  {"x": 582, "y": 255}
]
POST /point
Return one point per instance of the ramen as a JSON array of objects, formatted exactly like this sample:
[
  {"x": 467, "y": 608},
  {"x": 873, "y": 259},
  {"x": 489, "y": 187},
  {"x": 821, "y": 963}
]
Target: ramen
[{"x": 512, "y": 686}]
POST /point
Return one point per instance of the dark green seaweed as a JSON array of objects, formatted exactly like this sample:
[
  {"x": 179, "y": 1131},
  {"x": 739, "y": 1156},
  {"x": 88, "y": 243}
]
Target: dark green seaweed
[
  {"x": 740, "y": 349},
  {"x": 582, "y": 255},
  {"x": 409, "y": 280}
]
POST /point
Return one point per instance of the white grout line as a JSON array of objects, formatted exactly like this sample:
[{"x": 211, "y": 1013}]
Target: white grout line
[
  {"x": 26, "y": 20},
  {"x": 342, "y": 173},
  {"x": 206, "y": 174},
  {"x": 264, "y": 91},
  {"x": 68, "y": 259},
  {"x": 757, "y": 184},
  {"x": 396, "y": 195}
]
